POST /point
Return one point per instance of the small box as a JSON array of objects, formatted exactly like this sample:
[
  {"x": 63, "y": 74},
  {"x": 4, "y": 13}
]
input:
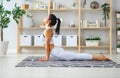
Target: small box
[
  {"x": 57, "y": 39},
  {"x": 26, "y": 40},
  {"x": 71, "y": 40},
  {"x": 38, "y": 40}
]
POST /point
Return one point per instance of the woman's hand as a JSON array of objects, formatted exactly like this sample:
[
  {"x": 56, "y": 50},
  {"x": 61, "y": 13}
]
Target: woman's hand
[{"x": 43, "y": 59}]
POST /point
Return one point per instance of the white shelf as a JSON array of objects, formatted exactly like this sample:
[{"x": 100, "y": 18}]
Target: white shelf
[
  {"x": 64, "y": 9},
  {"x": 37, "y": 28},
  {"x": 89, "y": 9},
  {"x": 30, "y": 28},
  {"x": 37, "y": 9},
  {"x": 70, "y": 46},
  {"x": 43, "y": 46},
  {"x": 32, "y": 46},
  {"x": 100, "y": 28},
  {"x": 94, "y": 46},
  {"x": 62, "y": 27}
]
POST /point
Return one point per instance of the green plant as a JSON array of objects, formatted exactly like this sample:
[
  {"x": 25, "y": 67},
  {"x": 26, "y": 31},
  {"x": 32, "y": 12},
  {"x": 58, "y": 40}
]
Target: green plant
[
  {"x": 93, "y": 38},
  {"x": 106, "y": 11},
  {"x": 5, "y": 15},
  {"x": 118, "y": 45},
  {"x": 118, "y": 29},
  {"x": 74, "y": 3}
]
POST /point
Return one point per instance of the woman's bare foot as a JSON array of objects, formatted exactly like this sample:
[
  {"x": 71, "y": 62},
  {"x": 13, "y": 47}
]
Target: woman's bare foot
[
  {"x": 100, "y": 57},
  {"x": 105, "y": 58}
]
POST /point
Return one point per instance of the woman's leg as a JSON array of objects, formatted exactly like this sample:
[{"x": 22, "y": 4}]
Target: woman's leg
[
  {"x": 87, "y": 56},
  {"x": 64, "y": 55}
]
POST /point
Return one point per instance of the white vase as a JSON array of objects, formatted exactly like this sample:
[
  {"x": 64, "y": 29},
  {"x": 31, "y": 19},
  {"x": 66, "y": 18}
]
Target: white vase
[
  {"x": 27, "y": 21},
  {"x": 3, "y": 47},
  {"x": 92, "y": 42},
  {"x": 118, "y": 50},
  {"x": 87, "y": 5}
]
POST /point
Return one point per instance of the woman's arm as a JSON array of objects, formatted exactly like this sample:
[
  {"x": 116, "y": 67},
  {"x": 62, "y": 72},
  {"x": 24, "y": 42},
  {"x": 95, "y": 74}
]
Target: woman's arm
[{"x": 48, "y": 35}]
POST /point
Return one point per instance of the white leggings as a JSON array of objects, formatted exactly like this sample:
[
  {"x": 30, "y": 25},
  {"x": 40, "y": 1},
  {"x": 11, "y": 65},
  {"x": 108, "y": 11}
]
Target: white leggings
[{"x": 59, "y": 53}]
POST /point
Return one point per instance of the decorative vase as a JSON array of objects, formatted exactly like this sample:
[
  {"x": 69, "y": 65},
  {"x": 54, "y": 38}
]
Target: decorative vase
[
  {"x": 3, "y": 47},
  {"x": 94, "y": 5},
  {"x": 86, "y": 4},
  {"x": 25, "y": 6},
  {"x": 74, "y": 5},
  {"x": 27, "y": 21}
]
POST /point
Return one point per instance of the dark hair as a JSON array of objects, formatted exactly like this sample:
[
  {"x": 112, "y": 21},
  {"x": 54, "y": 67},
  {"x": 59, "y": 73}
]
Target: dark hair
[{"x": 55, "y": 20}]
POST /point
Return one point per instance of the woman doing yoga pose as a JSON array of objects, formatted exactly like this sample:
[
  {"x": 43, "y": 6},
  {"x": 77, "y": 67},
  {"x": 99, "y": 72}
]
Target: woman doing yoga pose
[{"x": 59, "y": 53}]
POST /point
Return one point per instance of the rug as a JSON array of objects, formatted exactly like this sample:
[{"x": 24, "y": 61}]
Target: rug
[{"x": 32, "y": 61}]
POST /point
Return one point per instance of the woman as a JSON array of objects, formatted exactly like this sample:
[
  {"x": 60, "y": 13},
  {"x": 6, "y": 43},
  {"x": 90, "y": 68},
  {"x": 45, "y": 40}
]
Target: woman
[{"x": 59, "y": 53}]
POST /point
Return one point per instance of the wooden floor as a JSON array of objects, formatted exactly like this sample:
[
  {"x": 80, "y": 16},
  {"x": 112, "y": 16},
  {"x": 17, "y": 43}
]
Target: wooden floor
[{"x": 8, "y": 69}]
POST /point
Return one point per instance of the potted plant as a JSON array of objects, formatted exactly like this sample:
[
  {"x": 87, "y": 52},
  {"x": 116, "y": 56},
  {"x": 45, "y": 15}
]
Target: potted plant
[
  {"x": 118, "y": 31},
  {"x": 118, "y": 48},
  {"x": 5, "y": 16},
  {"x": 106, "y": 11},
  {"x": 26, "y": 5},
  {"x": 92, "y": 41},
  {"x": 118, "y": 14}
]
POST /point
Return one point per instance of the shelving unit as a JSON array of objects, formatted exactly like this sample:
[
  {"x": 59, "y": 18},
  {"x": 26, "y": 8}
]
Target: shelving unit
[
  {"x": 107, "y": 28},
  {"x": 117, "y": 25},
  {"x": 88, "y": 9},
  {"x": 77, "y": 14}
]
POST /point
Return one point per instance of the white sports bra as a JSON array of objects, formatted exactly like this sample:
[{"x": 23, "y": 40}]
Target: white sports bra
[{"x": 43, "y": 38}]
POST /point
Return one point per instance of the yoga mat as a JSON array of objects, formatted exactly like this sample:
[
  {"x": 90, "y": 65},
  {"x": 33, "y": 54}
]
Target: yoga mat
[{"x": 33, "y": 61}]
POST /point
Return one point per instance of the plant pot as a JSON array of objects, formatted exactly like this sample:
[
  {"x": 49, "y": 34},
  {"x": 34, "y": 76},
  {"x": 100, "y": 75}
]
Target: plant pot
[
  {"x": 118, "y": 50},
  {"x": 118, "y": 32},
  {"x": 25, "y": 6},
  {"x": 92, "y": 42},
  {"x": 3, "y": 47},
  {"x": 27, "y": 21}
]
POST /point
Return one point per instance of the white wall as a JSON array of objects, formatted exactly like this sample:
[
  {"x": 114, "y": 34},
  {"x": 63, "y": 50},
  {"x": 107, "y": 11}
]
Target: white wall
[{"x": 10, "y": 34}]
